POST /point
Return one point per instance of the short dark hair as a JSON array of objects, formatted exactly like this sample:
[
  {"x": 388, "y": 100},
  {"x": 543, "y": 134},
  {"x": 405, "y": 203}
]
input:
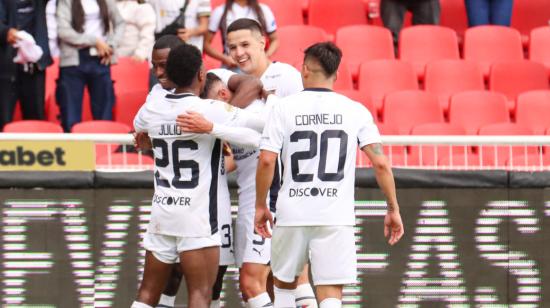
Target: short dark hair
[
  {"x": 167, "y": 41},
  {"x": 245, "y": 24},
  {"x": 183, "y": 64},
  {"x": 326, "y": 54},
  {"x": 211, "y": 80}
]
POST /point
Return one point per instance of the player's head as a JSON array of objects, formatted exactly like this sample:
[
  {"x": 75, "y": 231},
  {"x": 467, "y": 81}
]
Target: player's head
[
  {"x": 321, "y": 61},
  {"x": 161, "y": 49},
  {"x": 214, "y": 88},
  {"x": 246, "y": 44},
  {"x": 184, "y": 67}
]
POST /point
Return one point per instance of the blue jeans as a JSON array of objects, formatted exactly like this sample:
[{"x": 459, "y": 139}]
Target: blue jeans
[
  {"x": 489, "y": 12},
  {"x": 70, "y": 90}
]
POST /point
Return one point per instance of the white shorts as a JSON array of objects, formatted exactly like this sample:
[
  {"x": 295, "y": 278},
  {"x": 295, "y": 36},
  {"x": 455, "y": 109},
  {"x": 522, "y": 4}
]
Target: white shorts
[
  {"x": 249, "y": 246},
  {"x": 167, "y": 248},
  {"x": 331, "y": 250},
  {"x": 225, "y": 230}
]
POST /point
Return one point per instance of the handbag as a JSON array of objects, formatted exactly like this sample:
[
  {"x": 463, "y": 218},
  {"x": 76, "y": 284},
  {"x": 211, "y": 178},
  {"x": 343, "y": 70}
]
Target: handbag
[{"x": 178, "y": 23}]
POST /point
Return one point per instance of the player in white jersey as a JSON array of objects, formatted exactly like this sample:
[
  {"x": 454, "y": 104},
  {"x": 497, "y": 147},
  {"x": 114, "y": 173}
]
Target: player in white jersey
[
  {"x": 316, "y": 133},
  {"x": 184, "y": 222}
]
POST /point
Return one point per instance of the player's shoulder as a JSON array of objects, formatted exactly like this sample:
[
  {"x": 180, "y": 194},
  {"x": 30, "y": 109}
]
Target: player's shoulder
[{"x": 283, "y": 67}]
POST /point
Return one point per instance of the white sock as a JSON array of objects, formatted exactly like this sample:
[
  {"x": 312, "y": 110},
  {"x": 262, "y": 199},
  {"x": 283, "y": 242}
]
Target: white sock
[
  {"x": 139, "y": 305},
  {"x": 215, "y": 303},
  {"x": 331, "y": 302},
  {"x": 259, "y": 301},
  {"x": 305, "y": 296},
  {"x": 284, "y": 298},
  {"x": 166, "y": 301}
]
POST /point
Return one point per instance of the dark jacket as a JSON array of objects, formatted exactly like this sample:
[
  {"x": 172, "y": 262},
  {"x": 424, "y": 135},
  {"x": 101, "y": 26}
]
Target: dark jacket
[{"x": 8, "y": 14}]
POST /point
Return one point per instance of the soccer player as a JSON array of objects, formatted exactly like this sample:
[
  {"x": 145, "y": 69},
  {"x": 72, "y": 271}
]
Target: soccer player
[
  {"x": 184, "y": 222},
  {"x": 316, "y": 133}
]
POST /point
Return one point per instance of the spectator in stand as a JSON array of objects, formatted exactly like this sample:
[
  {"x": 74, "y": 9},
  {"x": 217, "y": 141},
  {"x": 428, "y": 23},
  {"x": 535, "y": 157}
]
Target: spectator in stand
[
  {"x": 489, "y": 12},
  {"x": 190, "y": 26},
  {"x": 225, "y": 14},
  {"x": 139, "y": 32},
  {"x": 24, "y": 81},
  {"x": 89, "y": 32},
  {"x": 51, "y": 22},
  {"x": 425, "y": 12}
]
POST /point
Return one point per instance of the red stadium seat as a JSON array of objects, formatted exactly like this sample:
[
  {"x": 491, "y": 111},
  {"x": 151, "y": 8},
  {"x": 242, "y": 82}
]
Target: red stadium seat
[
  {"x": 405, "y": 109},
  {"x": 101, "y": 127},
  {"x": 453, "y": 15},
  {"x": 530, "y": 14},
  {"x": 32, "y": 126},
  {"x": 331, "y": 15},
  {"x": 130, "y": 160},
  {"x": 461, "y": 161},
  {"x": 500, "y": 155},
  {"x": 286, "y": 12},
  {"x": 429, "y": 155},
  {"x": 380, "y": 77},
  {"x": 533, "y": 110},
  {"x": 447, "y": 77},
  {"x": 53, "y": 113},
  {"x": 363, "y": 43},
  {"x": 513, "y": 78},
  {"x": 344, "y": 80},
  {"x": 422, "y": 44},
  {"x": 398, "y": 152},
  {"x": 52, "y": 73},
  {"x": 489, "y": 44},
  {"x": 294, "y": 40},
  {"x": 361, "y": 98},
  {"x": 129, "y": 74},
  {"x": 539, "y": 46},
  {"x": 128, "y": 104},
  {"x": 473, "y": 109}
]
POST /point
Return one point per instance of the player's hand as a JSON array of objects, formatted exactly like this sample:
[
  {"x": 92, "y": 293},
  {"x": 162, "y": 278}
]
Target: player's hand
[
  {"x": 393, "y": 227},
  {"x": 194, "y": 122},
  {"x": 229, "y": 62},
  {"x": 185, "y": 34},
  {"x": 263, "y": 221},
  {"x": 142, "y": 141},
  {"x": 11, "y": 36}
]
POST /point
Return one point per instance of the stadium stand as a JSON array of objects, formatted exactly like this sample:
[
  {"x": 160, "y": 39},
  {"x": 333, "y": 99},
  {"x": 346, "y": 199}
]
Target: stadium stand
[
  {"x": 453, "y": 15},
  {"x": 405, "y": 109},
  {"x": 380, "y": 77},
  {"x": 422, "y": 44},
  {"x": 331, "y": 15},
  {"x": 529, "y": 14},
  {"x": 473, "y": 109},
  {"x": 529, "y": 160},
  {"x": 363, "y": 43},
  {"x": 294, "y": 40},
  {"x": 128, "y": 104},
  {"x": 489, "y": 44},
  {"x": 428, "y": 155},
  {"x": 287, "y": 12},
  {"x": 344, "y": 80},
  {"x": 501, "y": 155},
  {"x": 102, "y": 127},
  {"x": 32, "y": 126},
  {"x": 447, "y": 77},
  {"x": 513, "y": 78},
  {"x": 533, "y": 110},
  {"x": 539, "y": 46},
  {"x": 361, "y": 98},
  {"x": 128, "y": 160},
  {"x": 129, "y": 74},
  {"x": 465, "y": 160}
]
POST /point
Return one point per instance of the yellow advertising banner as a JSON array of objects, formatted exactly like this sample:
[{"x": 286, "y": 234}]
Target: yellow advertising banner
[{"x": 47, "y": 156}]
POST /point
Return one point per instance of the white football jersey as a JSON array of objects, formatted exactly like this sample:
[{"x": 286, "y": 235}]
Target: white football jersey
[
  {"x": 316, "y": 133},
  {"x": 186, "y": 164}
]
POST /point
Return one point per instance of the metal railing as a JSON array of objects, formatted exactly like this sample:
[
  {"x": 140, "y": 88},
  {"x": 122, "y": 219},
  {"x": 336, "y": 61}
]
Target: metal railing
[{"x": 404, "y": 151}]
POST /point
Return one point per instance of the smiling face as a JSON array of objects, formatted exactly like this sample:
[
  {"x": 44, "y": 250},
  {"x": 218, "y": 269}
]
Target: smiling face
[
  {"x": 159, "y": 59},
  {"x": 246, "y": 47}
]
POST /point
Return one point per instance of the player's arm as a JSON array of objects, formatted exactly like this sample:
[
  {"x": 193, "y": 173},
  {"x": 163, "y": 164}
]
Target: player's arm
[
  {"x": 393, "y": 225},
  {"x": 245, "y": 89},
  {"x": 264, "y": 177}
]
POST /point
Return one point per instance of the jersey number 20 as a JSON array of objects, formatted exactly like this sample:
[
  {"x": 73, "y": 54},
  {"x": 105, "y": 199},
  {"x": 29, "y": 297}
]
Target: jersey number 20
[
  {"x": 177, "y": 164},
  {"x": 322, "y": 174}
]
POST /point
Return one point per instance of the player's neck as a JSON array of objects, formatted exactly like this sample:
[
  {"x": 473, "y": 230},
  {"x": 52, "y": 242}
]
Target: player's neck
[
  {"x": 263, "y": 64},
  {"x": 191, "y": 89},
  {"x": 318, "y": 84}
]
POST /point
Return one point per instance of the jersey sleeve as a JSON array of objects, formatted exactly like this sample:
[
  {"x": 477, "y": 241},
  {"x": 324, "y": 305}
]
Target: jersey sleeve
[
  {"x": 215, "y": 19},
  {"x": 270, "y": 23},
  {"x": 368, "y": 132},
  {"x": 140, "y": 125},
  {"x": 222, "y": 113},
  {"x": 203, "y": 8},
  {"x": 223, "y": 74},
  {"x": 272, "y": 137}
]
